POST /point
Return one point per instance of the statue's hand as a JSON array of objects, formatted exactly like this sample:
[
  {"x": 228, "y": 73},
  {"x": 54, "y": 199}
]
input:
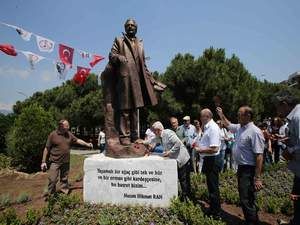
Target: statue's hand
[{"x": 122, "y": 59}]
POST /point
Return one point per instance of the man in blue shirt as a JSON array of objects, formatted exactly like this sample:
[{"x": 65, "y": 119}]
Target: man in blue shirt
[
  {"x": 248, "y": 153},
  {"x": 288, "y": 106}
]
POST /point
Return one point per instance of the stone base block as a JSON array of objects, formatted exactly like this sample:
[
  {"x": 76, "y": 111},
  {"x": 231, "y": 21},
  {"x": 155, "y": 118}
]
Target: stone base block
[{"x": 150, "y": 180}]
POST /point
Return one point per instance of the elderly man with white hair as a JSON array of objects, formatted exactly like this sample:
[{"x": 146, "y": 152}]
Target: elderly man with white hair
[
  {"x": 209, "y": 148},
  {"x": 175, "y": 149}
]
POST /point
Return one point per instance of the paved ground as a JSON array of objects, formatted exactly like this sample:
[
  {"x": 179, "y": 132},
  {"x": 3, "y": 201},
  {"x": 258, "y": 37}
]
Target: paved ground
[{"x": 84, "y": 152}]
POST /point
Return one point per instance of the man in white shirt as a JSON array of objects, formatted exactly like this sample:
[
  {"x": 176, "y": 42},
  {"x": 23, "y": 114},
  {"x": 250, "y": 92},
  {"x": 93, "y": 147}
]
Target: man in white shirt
[
  {"x": 209, "y": 147},
  {"x": 101, "y": 140},
  {"x": 149, "y": 134}
]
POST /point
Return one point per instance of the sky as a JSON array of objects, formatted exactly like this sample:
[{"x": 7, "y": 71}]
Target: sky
[{"x": 264, "y": 34}]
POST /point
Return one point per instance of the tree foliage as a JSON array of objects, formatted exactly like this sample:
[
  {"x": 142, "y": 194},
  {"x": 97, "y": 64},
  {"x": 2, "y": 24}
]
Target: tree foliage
[
  {"x": 193, "y": 84},
  {"x": 6, "y": 121},
  {"x": 82, "y": 105},
  {"x": 26, "y": 139}
]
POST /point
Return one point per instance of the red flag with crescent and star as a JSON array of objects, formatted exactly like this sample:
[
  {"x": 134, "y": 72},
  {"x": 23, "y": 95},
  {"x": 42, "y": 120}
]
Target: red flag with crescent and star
[
  {"x": 81, "y": 75},
  {"x": 8, "y": 49},
  {"x": 66, "y": 54},
  {"x": 96, "y": 59}
]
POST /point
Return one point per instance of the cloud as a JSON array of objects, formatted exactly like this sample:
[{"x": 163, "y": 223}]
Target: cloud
[
  {"x": 6, "y": 106},
  {"x": 48, "y": 75},
  {"x": 14, "y": 72}
]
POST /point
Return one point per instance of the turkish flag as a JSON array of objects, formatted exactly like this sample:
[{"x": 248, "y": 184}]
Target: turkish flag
[
  {"x": 66, "y": 54},
  {"x": 81, "y": 75},
  {"x": 96, "y": 59},
  {"x": 8, "y": 49}
]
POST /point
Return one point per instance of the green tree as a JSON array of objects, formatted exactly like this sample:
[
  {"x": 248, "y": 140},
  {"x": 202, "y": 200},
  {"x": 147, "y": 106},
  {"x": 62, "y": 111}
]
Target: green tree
[
  {"x": 6, "y": 121},
  {"x": 86, "y": 111},
  {"x": 26, "y": 139},
  {"x": 194, "y": 83}
]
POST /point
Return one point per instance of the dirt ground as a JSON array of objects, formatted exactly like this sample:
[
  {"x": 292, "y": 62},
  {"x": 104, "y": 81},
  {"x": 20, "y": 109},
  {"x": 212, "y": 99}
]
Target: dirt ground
[{"x": 14, "y": 183}]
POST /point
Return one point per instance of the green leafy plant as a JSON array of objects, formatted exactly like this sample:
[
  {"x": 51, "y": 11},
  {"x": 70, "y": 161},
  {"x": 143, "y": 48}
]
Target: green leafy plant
[
  {"x": 5, "y": 161},
  {"x": 191, "y": 214},
  {"x": 23, "y": 197},
  {"x": 67, "y": 201},
  {"x": 9, "y": 217},
  {"x": 273, "y": 205},
  {"x": 32, "y": 217},
  {"x": 26, "y": 139},
  {"x": 287, "y": 206},
  {"x": 229, "y": 196},
  {"x": 5, "y": 200},
  {"x": 277, "y": 190}
]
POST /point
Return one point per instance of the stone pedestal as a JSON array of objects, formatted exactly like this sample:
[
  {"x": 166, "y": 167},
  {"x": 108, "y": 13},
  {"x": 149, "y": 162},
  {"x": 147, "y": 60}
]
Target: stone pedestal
[{"x": 150, "y": 180}]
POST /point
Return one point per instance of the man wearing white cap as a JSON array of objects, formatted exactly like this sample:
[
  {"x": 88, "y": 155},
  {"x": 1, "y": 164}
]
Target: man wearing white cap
[{"x": 189, "y": 133}]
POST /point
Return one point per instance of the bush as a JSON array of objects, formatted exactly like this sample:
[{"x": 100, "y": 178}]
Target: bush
[
  {"x": 78, "y": 214},
  {"x": 229, "y": 196},
  {"x": 23, "y": 197},
  {"x": 26, "y": 139},
  {"x": 5, "y": 161},
  {"x": 60, "y": 203},
  {"x": 273, "y": 198},
  {"x": 9, "y": 217},
  {"x": 5, "y": 200},
  {"x": 67, "y": 201},
  {"x": 273, "y": 205},
  {"x": 198, "y": 186},
  {"x": 191, "y": 214},
  {"x": 32, "y": 217},
  {"x": 287, "y": 206},
  {"x": 6, "y": 121}
]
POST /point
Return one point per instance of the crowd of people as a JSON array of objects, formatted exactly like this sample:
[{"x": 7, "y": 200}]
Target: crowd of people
[
  {"x": 275, "y": 132},
  {"x": 209, "y": 145}
]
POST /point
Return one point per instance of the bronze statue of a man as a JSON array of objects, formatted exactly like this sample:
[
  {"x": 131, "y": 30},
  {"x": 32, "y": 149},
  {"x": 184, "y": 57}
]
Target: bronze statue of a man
[
  {"x": 134, "y": 88},
  {"x": 127, "y": 86}
]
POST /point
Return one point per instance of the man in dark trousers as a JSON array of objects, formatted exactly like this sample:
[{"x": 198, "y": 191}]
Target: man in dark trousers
[
  {"x": 209, "y": 149},
  {"x": 288, "y": 106},
  {"x": 58, "y": 148},
  {"x": 248, "y": 153}
]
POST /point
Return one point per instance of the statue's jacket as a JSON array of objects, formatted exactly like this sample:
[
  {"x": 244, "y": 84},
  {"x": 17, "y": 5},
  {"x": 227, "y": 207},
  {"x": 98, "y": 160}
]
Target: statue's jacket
[{"x": 134, "y": 83}]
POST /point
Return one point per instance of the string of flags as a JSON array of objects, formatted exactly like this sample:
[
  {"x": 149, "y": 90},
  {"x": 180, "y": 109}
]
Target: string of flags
[{"x": 47, "y": 45}]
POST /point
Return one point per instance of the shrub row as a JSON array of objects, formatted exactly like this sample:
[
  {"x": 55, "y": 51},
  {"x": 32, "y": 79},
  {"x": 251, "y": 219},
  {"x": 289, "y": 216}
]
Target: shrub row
[
  {"x": 9, "y": 217},
  {"x": 69, "y": 210},
  {"x": 7, "y": 200},
  {"x": 273, "y": 198}
]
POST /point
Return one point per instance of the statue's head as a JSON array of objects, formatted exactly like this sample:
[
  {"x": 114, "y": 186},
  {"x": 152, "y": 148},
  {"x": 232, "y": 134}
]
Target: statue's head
[{"x": 130, "y": 27}]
